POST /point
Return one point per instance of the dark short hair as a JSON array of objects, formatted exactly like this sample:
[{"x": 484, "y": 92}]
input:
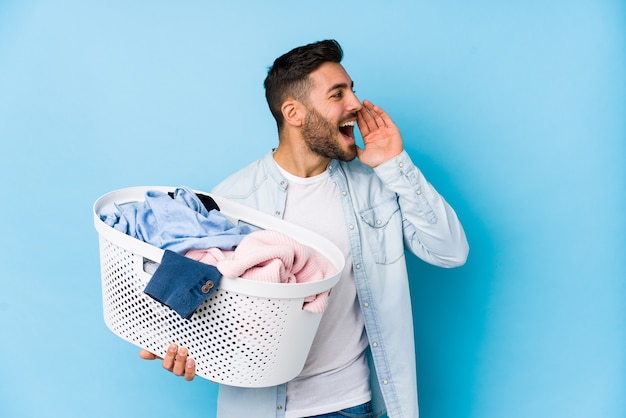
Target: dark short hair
[{"x": 289, "y": 75}]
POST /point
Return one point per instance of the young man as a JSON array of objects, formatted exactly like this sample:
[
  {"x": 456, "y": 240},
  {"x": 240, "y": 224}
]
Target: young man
[{"x": 362, "y": 361}]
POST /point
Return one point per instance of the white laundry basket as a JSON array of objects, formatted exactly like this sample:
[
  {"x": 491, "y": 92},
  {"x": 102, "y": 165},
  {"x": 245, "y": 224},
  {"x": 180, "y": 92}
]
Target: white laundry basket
[{"x": 247, "y": 334}]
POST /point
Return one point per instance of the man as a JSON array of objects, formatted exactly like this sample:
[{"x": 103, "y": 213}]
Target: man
[{"x": 362, "y": 361}]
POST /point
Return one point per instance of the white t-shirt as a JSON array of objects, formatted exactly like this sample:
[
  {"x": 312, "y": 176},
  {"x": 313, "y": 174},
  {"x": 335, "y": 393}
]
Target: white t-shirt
[{"x": 336, "y": 374}]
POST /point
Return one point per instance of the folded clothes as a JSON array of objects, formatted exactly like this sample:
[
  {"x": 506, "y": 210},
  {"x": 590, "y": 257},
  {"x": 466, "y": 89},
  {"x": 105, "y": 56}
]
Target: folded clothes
[
  {"x": 182, "y": 283},
  {"x": 271, "y": 256},
  {"x": 184, "y": 223},
  {"x": 177, "y": 223}
]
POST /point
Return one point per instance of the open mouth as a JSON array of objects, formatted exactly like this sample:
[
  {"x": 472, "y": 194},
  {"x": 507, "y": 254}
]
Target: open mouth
[{"x": 347, "y": 129}]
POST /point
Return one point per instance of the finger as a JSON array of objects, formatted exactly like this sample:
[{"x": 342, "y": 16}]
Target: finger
[
  {"x": 382, "y": 118},
  {"x": 378, "y": 114},
  {"x": 190, "y": 370},
  {"x": 181, "y": 362},
  {"x": 365, "y": 121},
  {"x": 170, "y": 356},
  {"x": 362, "y": 123},
  {"x": 368, "y": 116},
  {"x": 147, "y": 355}
]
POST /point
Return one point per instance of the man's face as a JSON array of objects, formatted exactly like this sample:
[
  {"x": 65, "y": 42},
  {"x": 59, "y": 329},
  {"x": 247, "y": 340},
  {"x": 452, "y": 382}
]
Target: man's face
[{"x": 328, "y": 128}]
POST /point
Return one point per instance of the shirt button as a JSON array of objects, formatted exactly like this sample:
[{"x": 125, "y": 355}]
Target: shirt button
[
  {"x": 374, "y": 344},
  {"x": 385, "y": 382},
  {"x": 357, "y": 266},
  {"x": 207, "y": 286},
  {"x": 282, "y": 183},
  {"x": 344, "y": 193},
  {"x": 400, "y": 164},
  {"x": 279, "y": 407},
  {"x": 418, "y": 192},
  {"x": 351, "y": 226},
  {"x": 378, "y": 222},
  {"x": 277, "y": 213},
  {"x": 367, "y": 305}
]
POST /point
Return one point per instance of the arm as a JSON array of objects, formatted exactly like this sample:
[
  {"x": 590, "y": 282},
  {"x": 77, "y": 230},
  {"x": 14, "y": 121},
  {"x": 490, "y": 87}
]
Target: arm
[{"x": 432, "y": 230}]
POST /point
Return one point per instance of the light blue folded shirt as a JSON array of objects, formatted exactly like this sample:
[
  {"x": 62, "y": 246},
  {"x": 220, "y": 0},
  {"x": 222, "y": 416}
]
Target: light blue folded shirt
[{"x": 178, "y": 224}]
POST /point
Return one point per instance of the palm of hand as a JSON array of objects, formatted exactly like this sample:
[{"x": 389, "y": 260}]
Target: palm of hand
[{"x": 381, "y": 138}]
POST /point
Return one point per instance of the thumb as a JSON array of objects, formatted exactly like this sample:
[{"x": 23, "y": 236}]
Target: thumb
[{"x": 147, "y": 355}]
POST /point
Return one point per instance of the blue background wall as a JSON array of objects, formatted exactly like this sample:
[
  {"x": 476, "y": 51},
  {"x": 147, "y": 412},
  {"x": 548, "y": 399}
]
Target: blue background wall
[{"x": 515, "y": 111}]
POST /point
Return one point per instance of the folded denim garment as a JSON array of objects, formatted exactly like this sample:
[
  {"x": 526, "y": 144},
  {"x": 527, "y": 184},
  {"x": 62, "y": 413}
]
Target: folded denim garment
[{"x": 182, "y": 283}]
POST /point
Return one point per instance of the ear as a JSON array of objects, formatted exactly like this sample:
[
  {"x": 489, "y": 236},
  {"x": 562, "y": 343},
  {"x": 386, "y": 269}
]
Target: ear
[{"x": 293, "y": 112}]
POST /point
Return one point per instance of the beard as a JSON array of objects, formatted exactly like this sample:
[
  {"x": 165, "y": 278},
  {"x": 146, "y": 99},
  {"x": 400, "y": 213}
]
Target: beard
[{"x": 320, "y": 135}]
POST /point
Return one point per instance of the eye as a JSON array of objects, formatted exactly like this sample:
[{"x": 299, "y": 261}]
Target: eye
[{"x": 337, "y": 95}]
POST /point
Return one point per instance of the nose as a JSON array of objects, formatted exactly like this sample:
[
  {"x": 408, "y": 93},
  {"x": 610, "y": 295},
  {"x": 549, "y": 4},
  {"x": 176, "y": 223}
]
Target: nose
[{"x": 354, "y": 104}]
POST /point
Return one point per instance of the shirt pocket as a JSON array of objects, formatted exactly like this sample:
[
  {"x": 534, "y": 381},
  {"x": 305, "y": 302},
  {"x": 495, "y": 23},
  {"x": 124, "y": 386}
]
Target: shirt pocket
[{"x": 382, "y": 226}]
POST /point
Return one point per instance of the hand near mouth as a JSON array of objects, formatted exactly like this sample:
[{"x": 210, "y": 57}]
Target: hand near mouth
[{"x": 381, "y": 137}]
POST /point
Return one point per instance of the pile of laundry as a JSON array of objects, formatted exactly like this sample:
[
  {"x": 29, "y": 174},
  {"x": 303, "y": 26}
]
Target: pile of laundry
[{"x": 202, "y": 245}]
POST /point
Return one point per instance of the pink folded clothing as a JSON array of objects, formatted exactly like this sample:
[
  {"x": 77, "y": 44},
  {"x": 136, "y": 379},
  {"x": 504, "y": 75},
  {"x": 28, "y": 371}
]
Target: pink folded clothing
[{"x": 272, "y": 257}]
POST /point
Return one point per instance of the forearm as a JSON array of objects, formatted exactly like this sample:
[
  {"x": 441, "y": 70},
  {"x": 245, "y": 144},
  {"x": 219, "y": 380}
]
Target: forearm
[{"x": 432, "y": 230}]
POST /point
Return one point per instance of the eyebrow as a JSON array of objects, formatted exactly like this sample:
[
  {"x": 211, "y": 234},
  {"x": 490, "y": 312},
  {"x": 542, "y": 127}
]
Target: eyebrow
[{"x": 340, "y": 86}]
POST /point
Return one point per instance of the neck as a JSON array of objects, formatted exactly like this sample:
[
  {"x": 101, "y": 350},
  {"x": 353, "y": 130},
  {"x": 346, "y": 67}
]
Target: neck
[{"x": 296, "y": 158}]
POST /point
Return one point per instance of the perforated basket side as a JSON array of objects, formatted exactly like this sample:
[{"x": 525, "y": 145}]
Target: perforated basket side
[{"x": 238, "y": 340}]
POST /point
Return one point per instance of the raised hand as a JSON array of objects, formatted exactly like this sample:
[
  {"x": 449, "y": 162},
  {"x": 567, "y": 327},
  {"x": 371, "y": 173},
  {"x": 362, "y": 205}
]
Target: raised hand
[{"x": 381, "y": 137}]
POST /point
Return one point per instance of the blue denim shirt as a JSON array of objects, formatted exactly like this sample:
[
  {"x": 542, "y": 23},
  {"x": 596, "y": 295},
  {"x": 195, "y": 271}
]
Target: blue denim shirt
[{"x": 386, "y": 208}]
